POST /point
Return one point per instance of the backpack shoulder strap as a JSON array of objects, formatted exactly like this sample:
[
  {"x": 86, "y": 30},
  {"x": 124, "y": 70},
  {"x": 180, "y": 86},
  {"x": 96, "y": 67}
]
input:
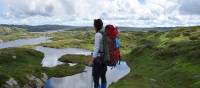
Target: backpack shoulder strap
[{"x": 105, "y": 47}]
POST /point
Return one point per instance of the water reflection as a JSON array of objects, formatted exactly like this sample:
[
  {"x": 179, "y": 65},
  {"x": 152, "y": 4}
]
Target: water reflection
[
  {"x": 84, "y": 80},
  {"x": 52, "y": 55}
]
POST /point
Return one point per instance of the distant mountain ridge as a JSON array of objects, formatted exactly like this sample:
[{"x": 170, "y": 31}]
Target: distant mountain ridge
[
  {"x": 44, "y": 28},
  {"x": 145, "y": 29},
  {"x": 40, "y": 28}
]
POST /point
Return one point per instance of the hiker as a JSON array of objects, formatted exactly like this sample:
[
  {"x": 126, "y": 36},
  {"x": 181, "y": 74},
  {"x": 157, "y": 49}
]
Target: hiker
[{"x": 99, "y": 67}]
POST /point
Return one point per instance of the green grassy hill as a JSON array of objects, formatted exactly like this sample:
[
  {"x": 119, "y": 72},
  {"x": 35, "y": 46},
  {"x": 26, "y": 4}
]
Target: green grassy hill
[
  {"x": 69, "y": 39},
  {"x": 85, "y": 40},
  {"x": 13, "y": 33},
  {"x": 165, "y": 60},
  {"x": 157, "y": 59},
  {"x": 20, "y": 63}
]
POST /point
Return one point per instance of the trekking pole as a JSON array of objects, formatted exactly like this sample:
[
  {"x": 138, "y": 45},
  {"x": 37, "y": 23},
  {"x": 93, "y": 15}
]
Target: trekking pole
[{"x": 91, "y": 82}]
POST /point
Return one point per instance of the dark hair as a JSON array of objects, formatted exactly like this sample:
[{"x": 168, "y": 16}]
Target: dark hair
[{"x": 98, "y": 24}]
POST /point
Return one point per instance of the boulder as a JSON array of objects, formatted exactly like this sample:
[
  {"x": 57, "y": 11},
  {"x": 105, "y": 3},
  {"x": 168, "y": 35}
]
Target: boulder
[
  {"x": 1, "y": 41},
  {"x": 11, "y": 83},
  {"x": 32, "y": 82}
]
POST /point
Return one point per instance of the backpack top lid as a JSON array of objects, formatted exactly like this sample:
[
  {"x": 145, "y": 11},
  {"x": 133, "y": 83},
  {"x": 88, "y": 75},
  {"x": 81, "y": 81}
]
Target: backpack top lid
[{"x": 111, "y": 31}]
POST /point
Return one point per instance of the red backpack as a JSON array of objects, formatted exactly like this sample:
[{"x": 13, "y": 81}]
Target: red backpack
[{"x": 111, "y": 45}]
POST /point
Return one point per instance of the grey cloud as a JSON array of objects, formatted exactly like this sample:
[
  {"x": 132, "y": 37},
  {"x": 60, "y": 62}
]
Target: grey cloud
[
  {"x": 189, "y": 7},
  {"x": 24, "y": 12},
  {"x": 145, "y": 18},
  {"x": 39, "y": 11},
  {"x": 69, "y": 6},
  {"x": 49, "y": 8}
]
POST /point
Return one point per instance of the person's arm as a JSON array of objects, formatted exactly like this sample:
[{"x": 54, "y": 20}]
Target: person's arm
[{"x": 98, "y": 38}]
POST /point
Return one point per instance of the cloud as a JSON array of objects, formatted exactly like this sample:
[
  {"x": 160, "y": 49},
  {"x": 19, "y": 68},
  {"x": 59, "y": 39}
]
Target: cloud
[
  {"x": 24, "y": 8},
  {"x": 120, "y": 12},
  {"x": 189, "y": 7}
]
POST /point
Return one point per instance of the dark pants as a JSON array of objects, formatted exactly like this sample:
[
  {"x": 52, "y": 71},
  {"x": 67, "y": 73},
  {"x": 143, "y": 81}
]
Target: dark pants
[{"x": 99, "y": 71}]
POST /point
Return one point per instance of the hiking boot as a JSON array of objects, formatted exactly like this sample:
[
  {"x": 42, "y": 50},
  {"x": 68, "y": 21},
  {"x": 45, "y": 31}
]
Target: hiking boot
[{"x": 104, "y": 85}]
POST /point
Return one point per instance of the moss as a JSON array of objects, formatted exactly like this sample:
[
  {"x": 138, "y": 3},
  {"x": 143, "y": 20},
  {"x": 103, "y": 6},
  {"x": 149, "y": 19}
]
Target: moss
[
  {"x": 29, "y": 46},
  {"x": 64, "y": 70},
  {"x": 81, "y": 59}
]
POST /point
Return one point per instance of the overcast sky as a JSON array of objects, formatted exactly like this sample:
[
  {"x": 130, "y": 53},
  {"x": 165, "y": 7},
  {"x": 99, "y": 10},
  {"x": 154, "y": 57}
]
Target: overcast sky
[{"x": 136, "y": 13}]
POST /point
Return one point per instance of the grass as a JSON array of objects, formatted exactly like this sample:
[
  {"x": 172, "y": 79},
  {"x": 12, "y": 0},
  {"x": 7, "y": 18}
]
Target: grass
[
  {"x": 85, "y": 40},
  {"x": 173, "y": 64},
  {"x": 29, "y": 46},
  {"x": 64, "y": 70},
  {"x": 80, "y": 59},
  {"x": 152, "y": 72},
  {"x": 17, "y": 63},
  {"x": 13, "y": 33},
  {"x": 157, "y": 59},
  {"x": 69, "y": 39}
]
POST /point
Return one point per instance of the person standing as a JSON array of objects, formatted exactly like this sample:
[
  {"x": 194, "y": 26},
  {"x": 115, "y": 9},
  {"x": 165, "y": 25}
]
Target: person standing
[{"x": 99, "y": 67}]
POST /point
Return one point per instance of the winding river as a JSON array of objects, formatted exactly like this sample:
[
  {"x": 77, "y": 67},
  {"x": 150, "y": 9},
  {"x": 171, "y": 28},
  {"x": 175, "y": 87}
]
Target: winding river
[{"x": 81, "y": 80}]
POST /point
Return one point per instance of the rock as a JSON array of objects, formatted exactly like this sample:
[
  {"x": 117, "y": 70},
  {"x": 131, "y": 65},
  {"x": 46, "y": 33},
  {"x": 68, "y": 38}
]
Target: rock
[
  {"x": 152, "y": 79},
  {"x": 197, "y": 76},
  {"x": 1, "y": 41},
  {"x": 14, "y": 57},
  {"x": 39, "y": 83},
  {"x": 44, "y": 78},
  {"x": 35, "y": 82},
  {"x": 28, "y": 86},
  {"x": 32, "y": 82},
  {"x": 72, "y": 64},
  {"x": 11, "y": 83},
  {"x": 30, "y": 77}
]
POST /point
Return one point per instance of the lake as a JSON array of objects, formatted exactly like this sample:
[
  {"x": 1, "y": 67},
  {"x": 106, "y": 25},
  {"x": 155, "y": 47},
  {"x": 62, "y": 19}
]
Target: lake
[{"x": 81, "y": 80}]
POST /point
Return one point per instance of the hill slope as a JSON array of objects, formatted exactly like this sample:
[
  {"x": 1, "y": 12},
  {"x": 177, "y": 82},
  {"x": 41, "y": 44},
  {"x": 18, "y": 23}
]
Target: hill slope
[{"x": 165, "y": 60}]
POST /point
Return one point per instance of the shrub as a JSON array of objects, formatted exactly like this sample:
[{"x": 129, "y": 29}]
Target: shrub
[
  {"x": 194, "y": 54},
  {"x": 173, "y": 35},
  {"x": 3, "y": 78},
  {"x": 137, "y": 51},
  {"x": 166, "y": 53},
  {"x": 193, "y": 38},
  {"x": 158, "y": 34},
  {"x": 186, "y": 34},
  {"x": 190, "y": 49},
  {"x": 196, "y": 85},
  {"x": 152, "y": 31},
  {"x": 145, "y": 42}
]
